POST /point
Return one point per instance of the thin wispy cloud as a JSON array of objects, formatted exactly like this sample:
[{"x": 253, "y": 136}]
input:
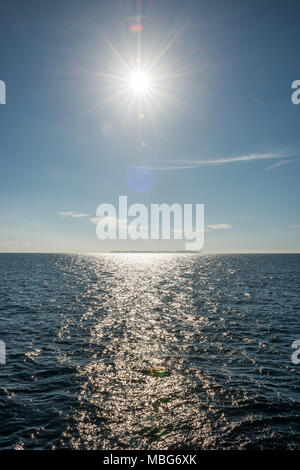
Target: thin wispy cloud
[
  {"x": 280, "y": 163},
  {"x": 95, "y": 220},
  {"x": 188, "y": 164},
  {"x": 114, "y": 221},
  {"x": 74, "y": 215},
  {"x": 188, "y": 229},
  {"x": 220, "y": 226},
  {"x": 109, "y": 220}
]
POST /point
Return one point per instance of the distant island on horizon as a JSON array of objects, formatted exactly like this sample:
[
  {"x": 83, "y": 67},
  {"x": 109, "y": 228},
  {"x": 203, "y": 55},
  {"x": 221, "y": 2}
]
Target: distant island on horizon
[{"x": 155, "y": 251}]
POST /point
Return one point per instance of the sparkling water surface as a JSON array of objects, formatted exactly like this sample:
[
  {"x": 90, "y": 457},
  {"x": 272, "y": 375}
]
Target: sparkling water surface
[{"x": 83, "y": 332}]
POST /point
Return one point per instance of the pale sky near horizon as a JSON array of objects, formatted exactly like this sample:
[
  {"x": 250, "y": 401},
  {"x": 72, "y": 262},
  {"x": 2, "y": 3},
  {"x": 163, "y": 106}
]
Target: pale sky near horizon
[{"x": 216, "y": 125}]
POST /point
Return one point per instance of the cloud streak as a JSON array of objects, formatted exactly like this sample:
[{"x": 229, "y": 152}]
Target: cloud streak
[
  {"x": 280, "y": 163},
  {"x": 74, "y": 215},
  {"x": 188, "y": 164},
  {"x": 220, "y": 226},
  {"x": 109, "y": 220}
]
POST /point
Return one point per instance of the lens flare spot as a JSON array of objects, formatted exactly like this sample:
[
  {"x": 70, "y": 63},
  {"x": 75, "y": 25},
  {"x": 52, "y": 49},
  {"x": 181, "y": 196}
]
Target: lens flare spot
[
  {"x": 136, "y": 27},
  {"x": 140, "y": 179}
]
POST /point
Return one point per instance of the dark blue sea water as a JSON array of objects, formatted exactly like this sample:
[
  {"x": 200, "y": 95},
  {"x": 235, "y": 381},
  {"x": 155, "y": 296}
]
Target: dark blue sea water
[{"x": 83, "y": 331}]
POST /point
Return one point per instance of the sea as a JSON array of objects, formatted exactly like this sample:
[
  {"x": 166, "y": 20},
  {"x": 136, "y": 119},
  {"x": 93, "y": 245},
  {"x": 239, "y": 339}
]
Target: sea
[{"x": 149, "y": 351}]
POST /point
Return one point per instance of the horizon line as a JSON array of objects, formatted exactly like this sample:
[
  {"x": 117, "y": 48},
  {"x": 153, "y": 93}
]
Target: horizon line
[{"x": 179, "y": 252}]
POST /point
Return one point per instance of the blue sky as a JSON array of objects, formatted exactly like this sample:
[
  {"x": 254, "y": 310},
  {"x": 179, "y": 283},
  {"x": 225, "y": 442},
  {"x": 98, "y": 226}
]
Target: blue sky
[{"x": 223, "y": 132}]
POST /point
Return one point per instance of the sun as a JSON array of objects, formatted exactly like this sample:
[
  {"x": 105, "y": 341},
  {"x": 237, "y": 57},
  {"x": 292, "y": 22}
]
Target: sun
[{"x": 139, "y": 82}]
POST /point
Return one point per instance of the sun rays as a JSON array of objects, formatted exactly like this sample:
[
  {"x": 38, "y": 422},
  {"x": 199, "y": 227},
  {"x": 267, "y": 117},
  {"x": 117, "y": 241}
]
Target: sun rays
[{"x": 140, "y": 80}]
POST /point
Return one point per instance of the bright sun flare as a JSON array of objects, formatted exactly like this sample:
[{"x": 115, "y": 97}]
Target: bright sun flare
[
  {"x": 141, "y": 86},
  {"x": 139, "y": 82}
]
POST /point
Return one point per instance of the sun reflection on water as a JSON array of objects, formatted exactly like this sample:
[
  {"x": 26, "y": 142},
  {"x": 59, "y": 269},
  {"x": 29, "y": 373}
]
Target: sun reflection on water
[{"x": 139, "y": 329}]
